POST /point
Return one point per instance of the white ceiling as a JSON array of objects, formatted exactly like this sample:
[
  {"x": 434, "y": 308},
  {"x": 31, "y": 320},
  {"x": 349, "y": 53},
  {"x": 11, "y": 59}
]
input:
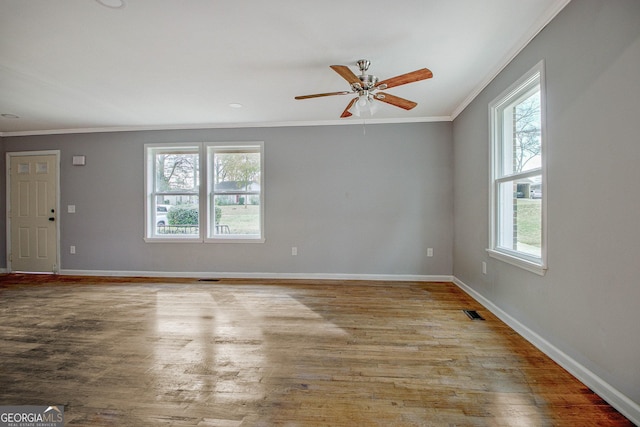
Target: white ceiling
[{"x": 161, "y": 64}]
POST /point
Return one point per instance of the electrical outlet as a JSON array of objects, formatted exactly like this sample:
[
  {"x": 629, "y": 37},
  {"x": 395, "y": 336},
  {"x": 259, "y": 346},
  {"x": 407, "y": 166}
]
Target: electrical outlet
[
  {"x": 484, "y": 267},
  {"x": 294, "y": 250},
  {"x": 72, "y": 249},
  {"x": 429, "y": 252}
]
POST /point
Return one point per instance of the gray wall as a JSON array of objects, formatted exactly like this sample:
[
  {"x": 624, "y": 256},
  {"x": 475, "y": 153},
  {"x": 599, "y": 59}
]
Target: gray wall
[
  {"x": 353, "y": 200},
  {"x": 586, "y": 305}
]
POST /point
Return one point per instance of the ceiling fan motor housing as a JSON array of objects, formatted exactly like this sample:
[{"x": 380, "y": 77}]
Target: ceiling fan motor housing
[{"x": 368, "y": 81}]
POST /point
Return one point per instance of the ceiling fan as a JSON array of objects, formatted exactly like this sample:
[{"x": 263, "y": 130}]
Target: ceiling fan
[{"x": 367, "y": 88}]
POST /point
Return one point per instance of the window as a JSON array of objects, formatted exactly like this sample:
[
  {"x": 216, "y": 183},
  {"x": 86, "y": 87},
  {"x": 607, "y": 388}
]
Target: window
[
  {"x": 173, "y": 182},
  {"x": 204, "y": 192},
  {"x": 518, "y": 179},
  {"x": 234, "y": 192}
]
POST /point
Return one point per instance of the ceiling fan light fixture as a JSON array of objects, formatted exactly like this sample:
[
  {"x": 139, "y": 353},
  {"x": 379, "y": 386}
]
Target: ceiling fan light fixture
[{"x": 365, "y": 106}]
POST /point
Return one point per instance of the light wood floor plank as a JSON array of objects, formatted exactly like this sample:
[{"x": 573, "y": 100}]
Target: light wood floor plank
[{"x": 237, "y": 353}]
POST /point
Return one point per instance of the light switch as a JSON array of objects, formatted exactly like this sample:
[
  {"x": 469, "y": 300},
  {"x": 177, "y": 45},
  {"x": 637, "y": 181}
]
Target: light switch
[{"x": 71, "y": 208}]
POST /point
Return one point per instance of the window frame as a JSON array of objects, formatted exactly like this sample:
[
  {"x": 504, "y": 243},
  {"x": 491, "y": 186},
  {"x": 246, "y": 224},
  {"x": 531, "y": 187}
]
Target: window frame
[
  {"x": 150, "y": 151},
  {"x": 228, "y": 147},
  {"x": 203, "y": 185},
  {"x": 519, "y": 90}
]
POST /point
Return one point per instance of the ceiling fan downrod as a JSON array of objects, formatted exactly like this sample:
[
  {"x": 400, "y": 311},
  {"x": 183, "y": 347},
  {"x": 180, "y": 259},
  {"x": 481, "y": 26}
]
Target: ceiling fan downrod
[{"x": 363, "y": 65}]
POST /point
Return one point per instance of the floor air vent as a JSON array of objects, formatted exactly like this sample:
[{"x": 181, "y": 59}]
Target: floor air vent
[
  {"x": 208, "y": 280},
  {"x": 473, "y": 315}
]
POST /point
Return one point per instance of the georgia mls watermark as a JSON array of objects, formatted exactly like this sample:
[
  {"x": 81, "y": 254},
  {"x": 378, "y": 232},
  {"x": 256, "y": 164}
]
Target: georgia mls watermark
[{"x": 32, "y": 416}]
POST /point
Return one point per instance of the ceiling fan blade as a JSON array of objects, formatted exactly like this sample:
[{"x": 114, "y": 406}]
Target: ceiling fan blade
[
  {"x": 346, "y": 74},
  {"x": 395, "y": 100},
  {"x": 346, "y": 112},
  {"x": 411, "y": 77},
  {"x": 318, "y": 95}
]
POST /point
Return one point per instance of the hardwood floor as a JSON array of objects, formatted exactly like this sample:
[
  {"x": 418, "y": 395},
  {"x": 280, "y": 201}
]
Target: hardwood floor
[{"x": 151, "y": 352}]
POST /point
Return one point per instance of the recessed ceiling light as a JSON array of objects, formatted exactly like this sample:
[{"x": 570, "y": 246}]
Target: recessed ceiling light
[
  {"x": 235, "y": 105},
  {"x": 113, "y": 4},
  {"x": 9, "y": 116}
]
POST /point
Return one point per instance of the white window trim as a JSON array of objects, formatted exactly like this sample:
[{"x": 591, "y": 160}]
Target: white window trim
[
  {"x": 518, "y": 259},
  {"x": 207, "y": 178},
  {"x": 202, "y": 194}
]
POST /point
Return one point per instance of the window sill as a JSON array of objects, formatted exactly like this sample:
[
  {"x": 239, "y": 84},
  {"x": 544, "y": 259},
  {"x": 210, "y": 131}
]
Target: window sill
[
  {"x": 199, "y": 240},
  {"x": 173, "y": 240},
  {"x": 233, "y": 240},
  {"x": 533, "y": 267}
]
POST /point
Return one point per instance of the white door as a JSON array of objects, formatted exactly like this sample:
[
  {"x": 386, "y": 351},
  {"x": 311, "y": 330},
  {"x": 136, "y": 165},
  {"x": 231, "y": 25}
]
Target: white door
[{"x": 32, "y": 213}]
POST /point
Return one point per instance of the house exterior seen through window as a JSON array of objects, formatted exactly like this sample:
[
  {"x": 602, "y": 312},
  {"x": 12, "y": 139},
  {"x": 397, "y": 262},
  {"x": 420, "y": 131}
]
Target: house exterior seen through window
[
  {"x": 517, "y": 180},
  {"x": 204, "y": 192}
]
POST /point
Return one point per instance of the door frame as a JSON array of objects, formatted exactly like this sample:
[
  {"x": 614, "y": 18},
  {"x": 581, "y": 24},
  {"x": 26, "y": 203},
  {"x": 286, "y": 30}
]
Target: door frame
[{"x": 8, "y": 157}]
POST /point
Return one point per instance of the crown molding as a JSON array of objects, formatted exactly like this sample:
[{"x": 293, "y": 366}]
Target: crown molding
[{"x": 225, "y": 126}]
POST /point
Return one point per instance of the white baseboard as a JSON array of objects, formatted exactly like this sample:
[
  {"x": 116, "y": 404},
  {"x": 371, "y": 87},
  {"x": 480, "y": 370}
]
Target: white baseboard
[
  {"x": 284, "y": 276},
  {"x": 615, "y": 398}
]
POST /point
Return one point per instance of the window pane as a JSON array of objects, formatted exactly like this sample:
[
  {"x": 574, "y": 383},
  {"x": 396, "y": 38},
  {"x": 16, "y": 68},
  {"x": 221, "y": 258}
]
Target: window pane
[
  {"x": 521, "y": 148},
  {"x": 235, "y": 171},
  {"x": 237, "y": 214},
  {"x": 176, "y": 171},
  {"x": 520, "y": 216},
  {"x": 235, "y": 197},
  {"x": 162, "y": 211},
  {"x": 177, "y": 215}
]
